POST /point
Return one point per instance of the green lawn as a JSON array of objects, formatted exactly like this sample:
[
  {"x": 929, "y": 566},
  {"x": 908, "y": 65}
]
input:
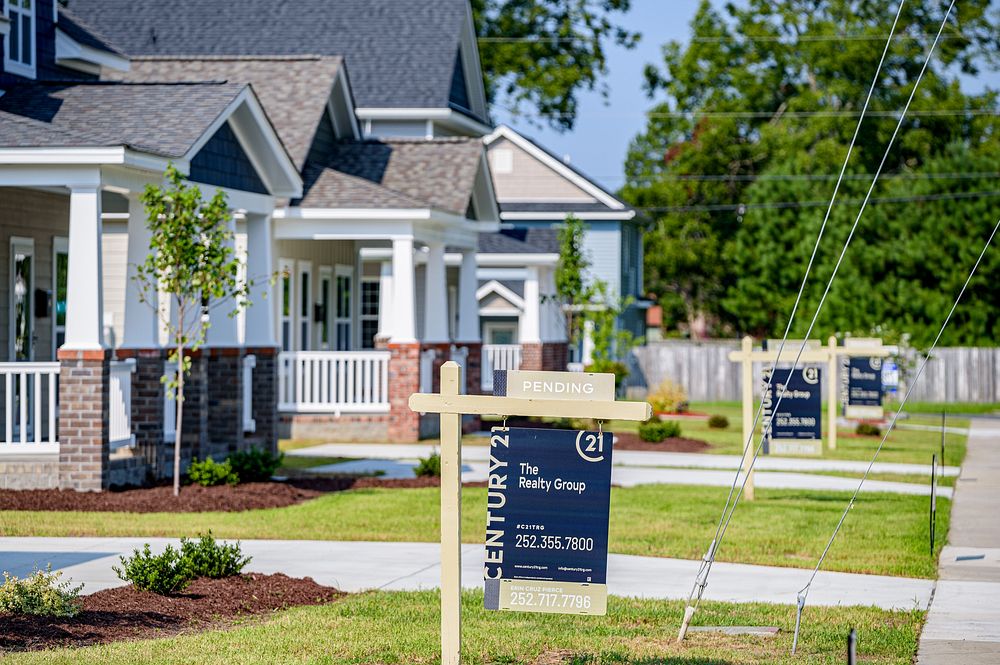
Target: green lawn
[
  {"x": 369, "y": 628},
  {"x": 885, "y": 534},
  {"x": 907, "y": 446}
]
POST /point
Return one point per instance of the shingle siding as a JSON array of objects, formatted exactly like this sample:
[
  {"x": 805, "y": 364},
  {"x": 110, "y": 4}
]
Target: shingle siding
[
  {"x": 459, "y": 95},
  {"x": 223, "y": 162}
]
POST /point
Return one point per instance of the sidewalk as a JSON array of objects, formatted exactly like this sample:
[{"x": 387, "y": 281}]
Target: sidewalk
[
  {"x": 963, "y": 624},
  {"x": 633, "y": 468},
  {"x": 357, "y": 566}
]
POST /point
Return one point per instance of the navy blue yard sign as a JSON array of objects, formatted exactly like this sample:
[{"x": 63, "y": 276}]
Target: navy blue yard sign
[
  {"x": 864, "y": 387},
  {"x": 798, "y": 416},
  {"x": 549, "y": 495}
]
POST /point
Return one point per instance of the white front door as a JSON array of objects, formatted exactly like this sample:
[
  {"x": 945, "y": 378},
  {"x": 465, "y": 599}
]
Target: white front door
[
  {"x": 344, "y": 307},
  {"x": 22, "y": 290}
]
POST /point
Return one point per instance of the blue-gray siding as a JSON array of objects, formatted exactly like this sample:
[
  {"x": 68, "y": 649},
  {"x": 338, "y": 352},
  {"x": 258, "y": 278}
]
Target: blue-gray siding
[{"x": 223, "y": 162}]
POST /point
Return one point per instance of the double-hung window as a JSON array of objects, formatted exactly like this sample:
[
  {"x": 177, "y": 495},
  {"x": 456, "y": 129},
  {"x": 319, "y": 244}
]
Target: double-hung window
[{"x": 19, "y": 54}]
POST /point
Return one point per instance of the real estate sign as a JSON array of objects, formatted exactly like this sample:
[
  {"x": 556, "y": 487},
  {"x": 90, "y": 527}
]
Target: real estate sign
[
  {"x": 796, "y": 426},
  {"x": 548, "y": 501},
  {"x": 864, "y": 388}
]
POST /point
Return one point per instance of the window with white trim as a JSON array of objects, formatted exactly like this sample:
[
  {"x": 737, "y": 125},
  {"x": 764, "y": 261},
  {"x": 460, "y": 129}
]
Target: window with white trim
[
  {"x": 369, "y": 311},
  {"x": 342, "y": 315},
  {"x": 19, "y": 54},
  {"x": 287, "y": 268},
  {"x": 305, "y": 304}
]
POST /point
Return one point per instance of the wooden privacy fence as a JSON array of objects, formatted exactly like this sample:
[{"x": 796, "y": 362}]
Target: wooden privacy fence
[{"x": 954, "y": 374}]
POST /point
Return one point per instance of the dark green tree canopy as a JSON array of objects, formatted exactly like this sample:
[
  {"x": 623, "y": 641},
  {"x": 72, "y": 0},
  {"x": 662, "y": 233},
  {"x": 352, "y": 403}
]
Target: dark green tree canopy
[
  {"x": 750, "y": 125},
  {"x": 543, "y": 53}
]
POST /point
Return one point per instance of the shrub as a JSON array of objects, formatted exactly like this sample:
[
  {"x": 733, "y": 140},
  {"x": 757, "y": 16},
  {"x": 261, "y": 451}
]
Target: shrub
[
  {"x": 718, "y": 422},
  {"x": 602, "y": 366},
  {"x": 210, "y": 473},
  {"x": 207, "y": 558},
  {"x": 656, "y": 431},
  {"x": 163, "y": 574},
  {"x": 41, "y": 594},
  {"x": 867, "y": 429},
  {"x": 429, "y": 466},
  {"x": 255, "y": 465},
  {"x": 668, "y": 397}
]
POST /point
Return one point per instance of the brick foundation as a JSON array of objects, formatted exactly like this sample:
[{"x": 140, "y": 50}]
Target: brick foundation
[
  {"x": 328, "y": 427},
  {"x": 404, "y": 380},
  {"x": 29, "y": 472},
  {"x": 265, "y": 399},
  {"x": 224, "y": 400},
  {"x": 148, "y": 395},
  {"x": 83, "y": 422}
]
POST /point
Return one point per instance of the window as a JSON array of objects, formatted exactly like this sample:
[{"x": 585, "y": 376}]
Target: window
[
  {"x": 60, "y": 279},
  {"x": 286, "y": 303},
  {"x": 305, "y": 304},
  {"x": 502, "y": 160},
  {"x": 19, "y": 56},
  {"x": 369, "y": 311},
  {"x": 342, "y": 316},
  {"x": 325, "y": 302},
  {"x": 22, "y": 290}
]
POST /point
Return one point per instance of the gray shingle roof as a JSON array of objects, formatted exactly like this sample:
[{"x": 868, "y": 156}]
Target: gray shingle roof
[
  {"x": 292, "y": 89},
  {"x": 436, "y": 173},
  {"x": 520, "y": 241},
  {"x": 164, "y": 120},
  {"x": 401, "y": 54},
  {"x": 79, "y": 30}
]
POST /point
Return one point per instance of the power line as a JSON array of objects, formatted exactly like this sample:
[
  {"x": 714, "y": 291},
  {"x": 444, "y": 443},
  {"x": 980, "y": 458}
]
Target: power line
[
  {"x": 781, "y": 39},
  {"x": 804, "y": 592},
  {"x": 701, "y": 583},
  {"x": 782, "y": 205},
  {"x": 701, "y": 580},
  {"x": 750, "y": 115},
  {"x": 790, "y": 177}
]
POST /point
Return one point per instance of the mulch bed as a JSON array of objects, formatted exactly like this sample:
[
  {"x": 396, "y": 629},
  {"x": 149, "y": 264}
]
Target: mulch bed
[
  {"x": 125, "y": 613},
  {"x": 675, "y": 444},
  {"x": 197, "y": 499}
]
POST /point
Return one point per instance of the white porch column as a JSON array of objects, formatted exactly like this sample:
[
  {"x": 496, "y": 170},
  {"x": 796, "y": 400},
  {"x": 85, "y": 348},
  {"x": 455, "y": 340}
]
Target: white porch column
[
  {"x": 553, "y": 327},
  {"x": 404, "y": 329},
  {"x": 259, "y": 317},
  {"x": 436, "y": 295},
  {"x": 84, "y": 293},
  {"x": 141, "y": 317},
  {"x": 468, "y": 305},
  {"x": 530, "y": 327},
  {"x": 223, "y": 330},
  {"x": 385, "y": 313}
]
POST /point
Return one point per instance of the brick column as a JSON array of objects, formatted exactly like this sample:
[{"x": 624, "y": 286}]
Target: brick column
[
  {"x": 84, "y": 446},
  {"x": 194, "y": 438},
  {"x": 555, "y": 356},
  {"x": 404, "y": 380},
  {"x": 148, "y": 395},
  {"x": 474, "y": 367},
  {"x": 224, "y": 400},
  {"x": 265, "y": 399},
  {"x": 531, "y": 356}
]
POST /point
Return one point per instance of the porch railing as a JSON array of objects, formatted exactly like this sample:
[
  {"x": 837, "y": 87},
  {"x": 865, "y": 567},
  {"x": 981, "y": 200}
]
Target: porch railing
[
  {"x": 333, "y": 381},
  {"x": 120, "y": 403},
  {"x": 498, "y": 356},
  {"x": 30, "y": 397}
]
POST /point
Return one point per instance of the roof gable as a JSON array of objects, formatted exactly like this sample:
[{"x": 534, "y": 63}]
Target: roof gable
[
  {"x": 402, "y": 55},
  {"x": 223, "y": 162}
]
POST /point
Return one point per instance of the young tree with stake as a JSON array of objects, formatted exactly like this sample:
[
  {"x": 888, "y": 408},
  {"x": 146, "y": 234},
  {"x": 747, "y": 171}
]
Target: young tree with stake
[{"x": 191, "y": 260}]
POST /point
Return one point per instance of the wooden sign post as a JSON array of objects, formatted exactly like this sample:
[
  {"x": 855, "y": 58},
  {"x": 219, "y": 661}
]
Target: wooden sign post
[
  {"x": 813, "y": 353},
  {"x": 451, "y": 406}
]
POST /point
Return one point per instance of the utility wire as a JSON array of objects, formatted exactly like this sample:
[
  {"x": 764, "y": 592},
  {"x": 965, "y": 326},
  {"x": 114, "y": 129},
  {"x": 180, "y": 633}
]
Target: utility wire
[
  {"x": 804, "y": 592},
  {"x": 733, "y": 38},
  {"x": 701, "y": 580},
  {"x": 927, "y": 113},
  {"x": 840, "y": 259}
]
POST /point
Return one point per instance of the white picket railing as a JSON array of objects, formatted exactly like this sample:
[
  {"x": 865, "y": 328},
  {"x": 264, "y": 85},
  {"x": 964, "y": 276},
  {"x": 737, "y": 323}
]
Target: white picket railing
[
  {"x": 498, "y": 356},
  {"x": 120, "y": 403},
  {"x": 333, "y": 381},
  {"x": 249, "y": 363},
  {"x": 30, "y": 396}
]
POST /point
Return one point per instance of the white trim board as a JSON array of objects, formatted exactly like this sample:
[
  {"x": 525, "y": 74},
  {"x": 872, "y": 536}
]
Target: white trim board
[
  {"x": 503, "y": 131},
  {"x": 493, "y": 286}
]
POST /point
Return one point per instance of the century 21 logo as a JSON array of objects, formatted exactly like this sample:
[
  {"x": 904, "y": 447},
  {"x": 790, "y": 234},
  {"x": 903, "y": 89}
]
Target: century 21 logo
[{"x": 590, "y": 446}]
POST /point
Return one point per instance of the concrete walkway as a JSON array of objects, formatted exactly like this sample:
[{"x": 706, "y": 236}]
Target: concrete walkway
[
  {"x": 633, "y": 468},
  {"x": 963, "y": 624},
  {"x": 356, "y": 566}
]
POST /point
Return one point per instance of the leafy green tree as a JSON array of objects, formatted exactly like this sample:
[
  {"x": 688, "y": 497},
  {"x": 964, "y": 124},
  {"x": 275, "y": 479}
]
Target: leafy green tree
[
  {"x": 543, "y": 53},
  {"x": 573, "y": 293},
  {"x": 753, "y": 116},
  {"x": 191, "y": 259}
]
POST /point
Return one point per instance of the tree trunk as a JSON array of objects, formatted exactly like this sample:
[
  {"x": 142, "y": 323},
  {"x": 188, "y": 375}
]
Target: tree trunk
[{"x": 179, "y": 397}]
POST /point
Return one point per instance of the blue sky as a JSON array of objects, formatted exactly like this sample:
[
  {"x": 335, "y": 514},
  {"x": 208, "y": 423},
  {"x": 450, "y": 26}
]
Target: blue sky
[{"x": 599, "y": 142}]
